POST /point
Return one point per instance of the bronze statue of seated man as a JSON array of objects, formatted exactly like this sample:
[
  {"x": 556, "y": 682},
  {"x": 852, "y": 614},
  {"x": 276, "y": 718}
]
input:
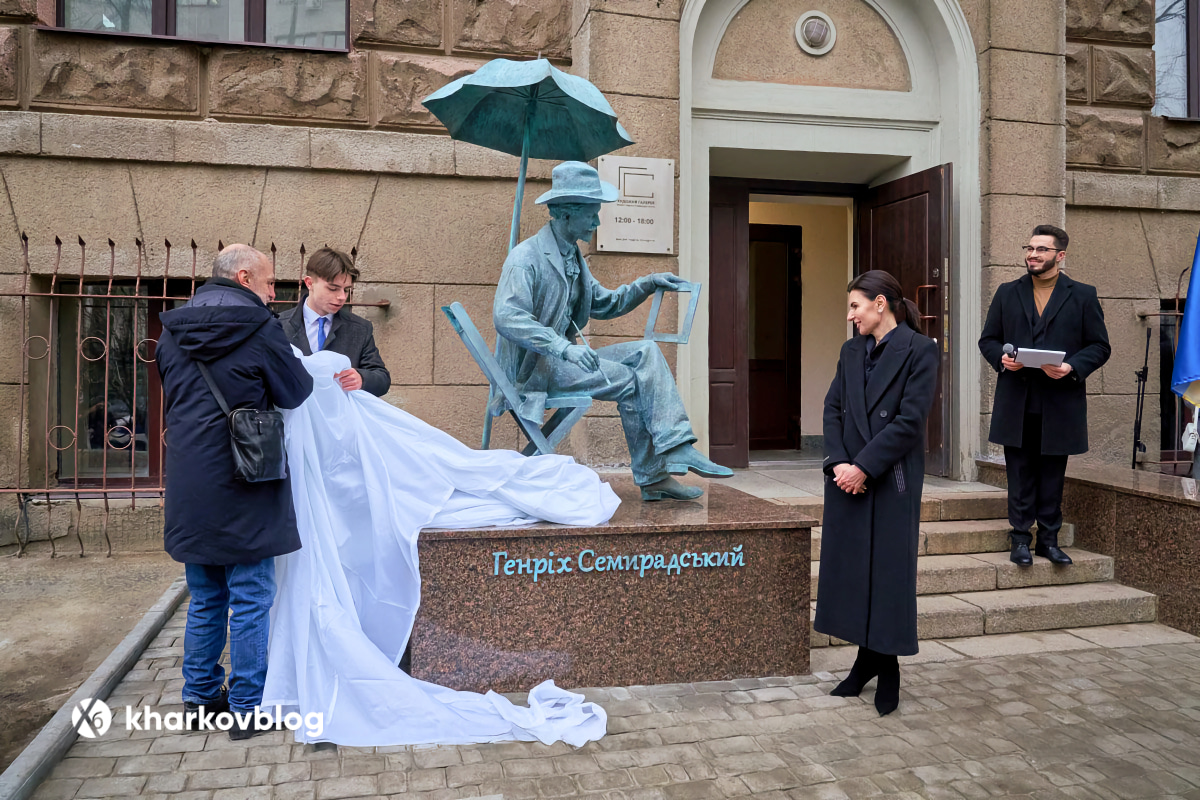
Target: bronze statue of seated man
[{"x": 547, "y": 295}]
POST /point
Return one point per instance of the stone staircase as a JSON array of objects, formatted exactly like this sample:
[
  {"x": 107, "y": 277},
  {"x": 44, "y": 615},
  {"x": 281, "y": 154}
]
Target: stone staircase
[{"x": 966, "y": 585}]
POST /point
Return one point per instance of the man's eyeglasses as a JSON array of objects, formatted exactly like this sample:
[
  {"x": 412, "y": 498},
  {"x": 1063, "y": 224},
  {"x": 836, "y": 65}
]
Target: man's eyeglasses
[{"x": 1041, "y": 251}]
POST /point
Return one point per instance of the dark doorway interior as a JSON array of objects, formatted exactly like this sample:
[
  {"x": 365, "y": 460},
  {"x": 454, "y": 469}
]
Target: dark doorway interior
[{"x": 774, "y": 336}]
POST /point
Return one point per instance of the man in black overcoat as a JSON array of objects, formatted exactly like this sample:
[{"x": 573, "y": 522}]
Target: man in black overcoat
[
  {"x": 1039, "y": 415},
  {"x": 322, "y": 322},
  {"x": 225, "y": 531}
]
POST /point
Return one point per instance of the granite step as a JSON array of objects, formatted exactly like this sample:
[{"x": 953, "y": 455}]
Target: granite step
[
  {"x": 961, "y": 537},
  {"x": 1137, "y": 634},
  {"x": 972, "y": 505},
  {"x": 935, "y": 506},
  {"x": 1040, "y": 608},
  {"x": 939, "y": 616},
  {"x": 982, "y": 572},
  {"x": 1034, "y": 608}
]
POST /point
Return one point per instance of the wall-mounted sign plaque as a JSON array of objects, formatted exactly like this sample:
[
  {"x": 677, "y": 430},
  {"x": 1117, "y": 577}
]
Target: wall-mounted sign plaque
[{"x": 642, "y": 220}]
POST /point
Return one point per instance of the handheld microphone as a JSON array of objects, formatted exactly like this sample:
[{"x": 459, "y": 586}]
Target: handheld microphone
[{"x": 1010, "y": 351}]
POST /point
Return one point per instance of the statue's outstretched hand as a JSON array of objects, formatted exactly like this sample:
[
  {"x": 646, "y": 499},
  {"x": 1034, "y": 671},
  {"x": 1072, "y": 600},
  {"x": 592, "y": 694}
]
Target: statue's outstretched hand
[
  {"x": 672, "y": 283},
  {"x": 583, "y": 357}
]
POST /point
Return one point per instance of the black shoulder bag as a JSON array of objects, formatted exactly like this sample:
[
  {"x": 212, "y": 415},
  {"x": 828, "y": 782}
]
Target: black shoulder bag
[{"x": 256, "y": 436}]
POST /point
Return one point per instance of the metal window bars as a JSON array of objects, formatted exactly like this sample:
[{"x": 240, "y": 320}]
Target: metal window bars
[{"x": 89, "y": 407}]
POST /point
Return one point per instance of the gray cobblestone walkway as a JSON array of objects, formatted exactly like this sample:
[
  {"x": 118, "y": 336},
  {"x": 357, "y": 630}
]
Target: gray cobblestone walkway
[{"x": 1094, "y": 723}]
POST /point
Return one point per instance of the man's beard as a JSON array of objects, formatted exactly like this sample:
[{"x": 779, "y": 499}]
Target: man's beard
[{"x": 1040, "y": 269}]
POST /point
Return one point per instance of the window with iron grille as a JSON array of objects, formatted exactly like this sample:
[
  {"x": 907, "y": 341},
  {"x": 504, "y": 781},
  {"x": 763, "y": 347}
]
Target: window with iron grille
[
  {"x": 107, "y": 424},
  {"x": 108, "y": 391},
  {"x": 307, "y": 24}
]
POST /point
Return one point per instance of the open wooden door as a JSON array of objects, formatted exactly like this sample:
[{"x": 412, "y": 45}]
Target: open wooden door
[
  {"x": 728, "y": 337},
  {"x": 904, "y": 228}
]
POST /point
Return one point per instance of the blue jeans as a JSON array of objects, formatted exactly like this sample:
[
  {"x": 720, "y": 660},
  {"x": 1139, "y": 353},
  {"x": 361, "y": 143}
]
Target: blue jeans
[{"x": 248, "y": 590}]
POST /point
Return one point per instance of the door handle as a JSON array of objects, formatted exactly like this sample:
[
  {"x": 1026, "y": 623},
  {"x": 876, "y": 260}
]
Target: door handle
[{"x": 925, "y": 318}]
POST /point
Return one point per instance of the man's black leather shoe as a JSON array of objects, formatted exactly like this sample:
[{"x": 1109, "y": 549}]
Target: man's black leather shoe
[
  {"x": 1051, "y": 552},
  {"x": 210, "y": 709},
  {"x": 1019, "y": 555},
  {"x": 240, "y": 732}
]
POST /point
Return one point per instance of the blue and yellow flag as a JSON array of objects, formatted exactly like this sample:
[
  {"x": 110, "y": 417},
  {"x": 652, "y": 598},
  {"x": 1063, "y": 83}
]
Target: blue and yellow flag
[{"x": 1185, "y": 378}]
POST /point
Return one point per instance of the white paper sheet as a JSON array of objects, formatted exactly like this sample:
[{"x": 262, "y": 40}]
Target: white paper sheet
[{"x": 1030, "y": 357}]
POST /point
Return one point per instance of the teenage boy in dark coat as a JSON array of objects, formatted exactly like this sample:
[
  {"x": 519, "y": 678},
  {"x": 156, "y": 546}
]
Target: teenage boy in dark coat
[
  {"x": 322, "y": 322},
  {"x": 1039, "y": 415},
  {"x": 225, "y": 531}
]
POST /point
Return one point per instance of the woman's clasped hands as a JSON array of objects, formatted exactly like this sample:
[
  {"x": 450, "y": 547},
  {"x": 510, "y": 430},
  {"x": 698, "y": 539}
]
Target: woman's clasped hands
[{"x": 849, "y": 478}]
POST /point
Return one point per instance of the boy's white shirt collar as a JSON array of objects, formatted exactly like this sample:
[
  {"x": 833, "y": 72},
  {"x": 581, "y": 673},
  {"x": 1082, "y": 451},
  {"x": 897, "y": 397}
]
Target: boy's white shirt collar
[{"x": 310, "y": 325}]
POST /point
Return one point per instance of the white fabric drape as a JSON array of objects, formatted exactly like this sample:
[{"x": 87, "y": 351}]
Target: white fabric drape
[{"x": 366, "y": 478}]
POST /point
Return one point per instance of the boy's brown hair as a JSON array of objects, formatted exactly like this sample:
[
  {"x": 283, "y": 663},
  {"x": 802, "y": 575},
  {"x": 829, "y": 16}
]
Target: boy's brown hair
[{"x": 329, "y": 265}]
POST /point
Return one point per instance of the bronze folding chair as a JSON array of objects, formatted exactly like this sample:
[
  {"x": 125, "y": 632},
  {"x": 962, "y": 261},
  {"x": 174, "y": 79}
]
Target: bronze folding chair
[{"x": 542, "y": 439}]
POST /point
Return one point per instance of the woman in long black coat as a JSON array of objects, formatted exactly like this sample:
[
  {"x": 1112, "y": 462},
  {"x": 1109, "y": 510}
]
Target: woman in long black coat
[{"x": 875, "y": 416}]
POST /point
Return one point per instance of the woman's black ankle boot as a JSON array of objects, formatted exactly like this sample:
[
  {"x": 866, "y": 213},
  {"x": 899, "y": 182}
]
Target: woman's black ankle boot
[
  {"x": 866, "y": 666},
  {"x": 887, "y": 690}
]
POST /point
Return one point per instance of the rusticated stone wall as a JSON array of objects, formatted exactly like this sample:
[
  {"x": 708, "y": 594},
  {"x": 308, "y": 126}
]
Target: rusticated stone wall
[
  {"x": 1021, "y": 46},
  {"x": 1068, "y": 137},
  {"x": 401, "y": 50},
  {"x": 1133, "y": 202},
  {"x": 160, "y": 140},
  {"x": 1110, "y": 84},
  {"x": 125, "y": 138},
  {"x": 630, "y": 50}
]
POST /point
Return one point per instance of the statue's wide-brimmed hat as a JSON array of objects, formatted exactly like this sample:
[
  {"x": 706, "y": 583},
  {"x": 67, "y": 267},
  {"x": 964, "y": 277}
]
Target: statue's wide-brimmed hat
[{"x": 576, "y": 182}]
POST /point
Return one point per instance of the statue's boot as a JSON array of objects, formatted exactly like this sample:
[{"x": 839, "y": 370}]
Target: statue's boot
[
  {"x": 685, "y": 457},
  {"x": 670, "y": 489}
]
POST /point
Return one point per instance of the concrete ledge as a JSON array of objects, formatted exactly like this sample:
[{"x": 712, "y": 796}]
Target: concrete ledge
[
  {"x": 34, "y": 763},
  {"x": 211, "y": 142},
  {"x": 1112, "y": 190}
]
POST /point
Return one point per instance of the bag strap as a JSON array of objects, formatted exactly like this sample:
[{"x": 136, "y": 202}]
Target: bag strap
[
  {"x": 213, "y": 386},
  {"x": 208, "y": 376}
]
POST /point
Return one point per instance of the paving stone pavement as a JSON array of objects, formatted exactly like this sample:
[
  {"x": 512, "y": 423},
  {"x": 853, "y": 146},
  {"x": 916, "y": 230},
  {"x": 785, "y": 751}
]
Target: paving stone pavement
[{"x": 1096, "y": 723}]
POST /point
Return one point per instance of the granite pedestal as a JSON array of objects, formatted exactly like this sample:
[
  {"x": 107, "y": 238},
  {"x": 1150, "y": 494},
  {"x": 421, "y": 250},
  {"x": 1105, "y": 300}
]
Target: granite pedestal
[
  {"x": 666, "y": 592},
  {"x": 1147, "y": 522}
]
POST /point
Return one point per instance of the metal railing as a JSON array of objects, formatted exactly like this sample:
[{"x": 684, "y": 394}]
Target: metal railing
[
  {"x": 89, "y": 406},
  {"x": 1173, "y": 460}
]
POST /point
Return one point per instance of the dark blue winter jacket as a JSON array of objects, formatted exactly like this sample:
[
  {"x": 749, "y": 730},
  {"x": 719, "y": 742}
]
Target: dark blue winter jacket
[{"x": 211, "y": 516}]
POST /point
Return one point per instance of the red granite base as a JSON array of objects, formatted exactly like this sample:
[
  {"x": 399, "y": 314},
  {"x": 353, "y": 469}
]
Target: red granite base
[
  {"x": 600, "y": 624},
  {"x": 1146, "y": 521}
]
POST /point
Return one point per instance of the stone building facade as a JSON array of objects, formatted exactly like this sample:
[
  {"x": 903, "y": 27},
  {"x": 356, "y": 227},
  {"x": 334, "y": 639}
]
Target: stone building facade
[{"x": 1042, "y": 106}]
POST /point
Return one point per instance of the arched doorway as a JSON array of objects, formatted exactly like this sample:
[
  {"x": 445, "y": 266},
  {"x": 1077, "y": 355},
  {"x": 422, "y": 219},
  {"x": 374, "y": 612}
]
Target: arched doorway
[{"x": 746, "y": 119}]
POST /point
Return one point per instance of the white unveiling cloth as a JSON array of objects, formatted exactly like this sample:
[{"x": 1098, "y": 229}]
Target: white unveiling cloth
[{"x": 366, "y": 478}]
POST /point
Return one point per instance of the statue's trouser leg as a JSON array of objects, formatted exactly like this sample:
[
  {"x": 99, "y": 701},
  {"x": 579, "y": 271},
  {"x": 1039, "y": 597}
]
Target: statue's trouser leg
[{"x": 652, "y": 414}]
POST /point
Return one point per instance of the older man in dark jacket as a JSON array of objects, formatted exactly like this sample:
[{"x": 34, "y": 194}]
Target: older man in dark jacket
[{"x": 224, "y": 530}]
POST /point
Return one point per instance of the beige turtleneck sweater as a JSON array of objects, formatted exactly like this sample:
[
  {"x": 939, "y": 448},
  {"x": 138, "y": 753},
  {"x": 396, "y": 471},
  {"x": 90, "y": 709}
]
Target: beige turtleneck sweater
[{"x": 1042, "y": 289}]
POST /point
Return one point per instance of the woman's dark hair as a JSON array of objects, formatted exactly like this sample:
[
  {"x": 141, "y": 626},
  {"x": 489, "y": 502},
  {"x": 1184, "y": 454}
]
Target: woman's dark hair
[{"x": 877, "y": 282}]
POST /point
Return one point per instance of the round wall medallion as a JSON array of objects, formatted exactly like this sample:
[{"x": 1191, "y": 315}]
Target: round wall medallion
[{"x": 815, "y": 33}]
